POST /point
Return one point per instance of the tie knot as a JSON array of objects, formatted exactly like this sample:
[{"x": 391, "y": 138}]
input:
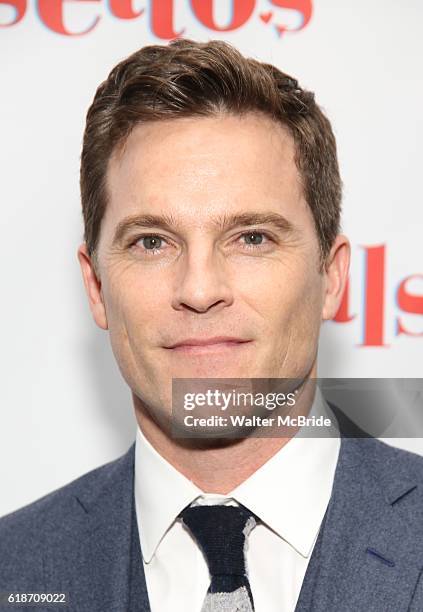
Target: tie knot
[{"x": 221, "y": 533}]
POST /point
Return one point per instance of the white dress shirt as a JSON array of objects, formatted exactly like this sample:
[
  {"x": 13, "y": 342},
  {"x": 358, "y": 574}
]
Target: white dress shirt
[{"x": 289, "y": 493}]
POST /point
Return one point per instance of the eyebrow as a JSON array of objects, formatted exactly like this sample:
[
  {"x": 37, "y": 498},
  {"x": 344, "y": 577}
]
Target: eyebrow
[{"x": 224, "y": 222}]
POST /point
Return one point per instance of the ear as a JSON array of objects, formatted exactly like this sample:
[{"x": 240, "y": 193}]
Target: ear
[
  {"x": 336, "y": 273},
  {"x": 92, "y": 287}
]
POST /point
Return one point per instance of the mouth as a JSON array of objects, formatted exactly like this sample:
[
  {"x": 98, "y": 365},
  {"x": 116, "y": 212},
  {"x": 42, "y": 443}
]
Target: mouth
[{"x": 208, "y": 345}]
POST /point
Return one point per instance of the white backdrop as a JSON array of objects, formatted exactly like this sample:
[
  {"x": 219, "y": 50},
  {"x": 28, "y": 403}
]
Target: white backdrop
[{"x": 64, "y": 407}]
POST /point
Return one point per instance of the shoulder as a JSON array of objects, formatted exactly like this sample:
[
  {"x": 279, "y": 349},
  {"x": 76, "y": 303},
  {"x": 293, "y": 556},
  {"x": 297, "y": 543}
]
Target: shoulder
[
  {"x": 389, "y": 459},
  {"x": 23, "y": 533},
  {"x": 383, "y": 462},
  {"x": 392, "y": 471}
]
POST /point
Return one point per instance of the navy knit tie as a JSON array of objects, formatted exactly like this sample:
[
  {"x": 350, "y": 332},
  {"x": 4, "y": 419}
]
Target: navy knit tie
[{"x": 221, "y": 533}]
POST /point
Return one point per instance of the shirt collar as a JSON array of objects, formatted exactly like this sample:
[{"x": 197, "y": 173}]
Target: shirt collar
[
  {"x": 289, "y": 493},
  {"x": 161, "y": 493}
]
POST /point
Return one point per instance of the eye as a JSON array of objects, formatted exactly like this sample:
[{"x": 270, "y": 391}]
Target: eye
[
  {"x": 253, "y": 239},
  {"x": 150, "y": 243}
]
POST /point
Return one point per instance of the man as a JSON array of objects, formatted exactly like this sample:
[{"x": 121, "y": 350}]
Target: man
[{"x": 211, "y": 201}]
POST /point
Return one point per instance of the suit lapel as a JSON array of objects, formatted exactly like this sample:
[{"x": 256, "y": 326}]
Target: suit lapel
[
  {"x": 93, "y": 558},
  {"x": 367, "y": 557},
  {"x": 138, "y": 597}
]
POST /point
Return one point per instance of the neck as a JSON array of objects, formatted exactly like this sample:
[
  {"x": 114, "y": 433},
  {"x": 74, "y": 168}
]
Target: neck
[{"x": 222, "y": 465}]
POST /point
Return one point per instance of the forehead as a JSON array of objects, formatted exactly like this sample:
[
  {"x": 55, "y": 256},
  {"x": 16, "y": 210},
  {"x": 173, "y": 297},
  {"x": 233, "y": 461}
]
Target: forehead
[{"x": 202, "y": 166}]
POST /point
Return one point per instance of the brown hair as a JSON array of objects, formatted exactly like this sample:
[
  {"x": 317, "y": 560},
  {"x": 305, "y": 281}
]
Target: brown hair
[{"x": 187, "y": 78}]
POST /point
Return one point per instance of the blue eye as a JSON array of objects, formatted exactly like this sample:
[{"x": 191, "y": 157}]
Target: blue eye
[
  {"x": 256, "y": 242},
  {"x": 151, "y": 243},
  {"x": 253, "y": 238}
]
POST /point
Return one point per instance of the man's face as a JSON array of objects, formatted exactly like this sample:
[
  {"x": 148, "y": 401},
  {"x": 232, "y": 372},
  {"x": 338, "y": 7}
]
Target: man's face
[{"x": 207, "y": 238}]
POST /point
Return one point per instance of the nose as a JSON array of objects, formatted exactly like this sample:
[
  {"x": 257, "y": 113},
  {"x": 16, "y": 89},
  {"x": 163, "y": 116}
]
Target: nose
[{"x": 203, "y": 284}]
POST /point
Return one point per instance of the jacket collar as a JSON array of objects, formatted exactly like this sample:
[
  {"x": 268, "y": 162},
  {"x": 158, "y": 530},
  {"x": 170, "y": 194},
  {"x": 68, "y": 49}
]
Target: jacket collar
[
  {"x": 90, "y": 557},
  {"x": 369, "y": 553}
]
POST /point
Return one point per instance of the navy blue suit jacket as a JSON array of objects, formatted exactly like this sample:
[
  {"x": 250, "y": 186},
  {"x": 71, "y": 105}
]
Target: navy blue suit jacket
[{"x": 83, "y": 540}]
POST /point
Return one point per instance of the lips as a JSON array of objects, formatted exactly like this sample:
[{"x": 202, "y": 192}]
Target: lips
[{"x": 217, "y": 341}]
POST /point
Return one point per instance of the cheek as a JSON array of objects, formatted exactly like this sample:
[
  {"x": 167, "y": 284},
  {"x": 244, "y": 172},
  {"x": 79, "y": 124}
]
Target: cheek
[
  {"x": 284, "y": 295},
  {"x": 133, "y": 307},
  {"x": 135, "y": 319}
]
